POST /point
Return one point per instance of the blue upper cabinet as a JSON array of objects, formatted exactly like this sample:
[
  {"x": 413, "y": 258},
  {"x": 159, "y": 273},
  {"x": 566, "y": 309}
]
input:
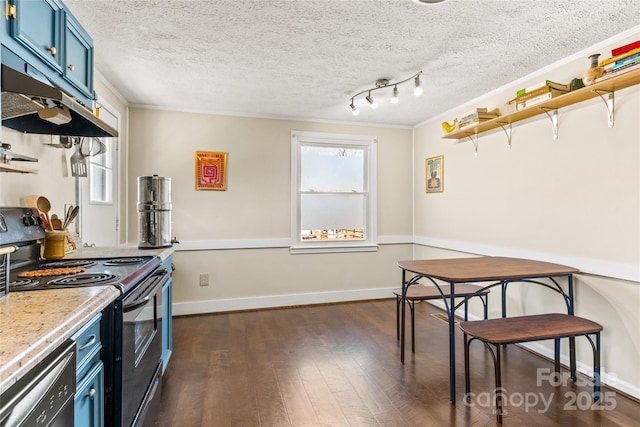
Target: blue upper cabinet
[
  {"x": 78, "y": 55},
  {"x": 37, "y": 25},
  {"x": 44, "y": 35}
]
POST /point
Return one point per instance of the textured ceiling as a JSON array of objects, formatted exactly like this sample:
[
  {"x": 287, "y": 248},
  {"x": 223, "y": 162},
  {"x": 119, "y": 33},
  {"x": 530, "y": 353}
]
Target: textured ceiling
[{"x": 304, "y": 59}]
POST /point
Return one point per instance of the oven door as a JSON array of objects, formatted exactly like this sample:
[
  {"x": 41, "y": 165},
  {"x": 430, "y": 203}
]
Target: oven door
[{"x": 141, "y": 342}]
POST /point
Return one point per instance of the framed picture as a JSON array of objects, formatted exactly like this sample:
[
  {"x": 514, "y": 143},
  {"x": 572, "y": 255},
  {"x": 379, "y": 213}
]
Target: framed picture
[
  {"x": 435, "y": 174},
  {"x": 211, "y": 170}
]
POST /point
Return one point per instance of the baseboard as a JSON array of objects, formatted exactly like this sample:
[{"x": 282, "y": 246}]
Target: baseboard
[
  {"x": 273, "y": 301},
  {"x": 610, "y": 380}
]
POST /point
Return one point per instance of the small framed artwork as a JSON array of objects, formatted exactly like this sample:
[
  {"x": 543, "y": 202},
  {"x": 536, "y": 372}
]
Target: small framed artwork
[
  {"x": 211, "y": 170},
  {"x": 435, "y": 174}
]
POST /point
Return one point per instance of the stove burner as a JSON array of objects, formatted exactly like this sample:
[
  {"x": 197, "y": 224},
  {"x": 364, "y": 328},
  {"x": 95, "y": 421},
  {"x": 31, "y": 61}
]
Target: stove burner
[
  {"x": 123, "y": 261},
  {"x": 20, "y": 284},
  {"x": 70, "y": 263},
  {"x": 84, "y": 279}
]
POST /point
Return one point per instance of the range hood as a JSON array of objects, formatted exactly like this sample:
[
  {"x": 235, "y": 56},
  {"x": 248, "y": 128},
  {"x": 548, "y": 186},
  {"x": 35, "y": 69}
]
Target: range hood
[{"x": 32, "y": 106}]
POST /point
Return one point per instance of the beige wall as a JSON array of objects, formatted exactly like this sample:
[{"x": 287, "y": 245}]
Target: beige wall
[
  {"x": 574, "y": 201},
  {"x": 240, "y": 237}
]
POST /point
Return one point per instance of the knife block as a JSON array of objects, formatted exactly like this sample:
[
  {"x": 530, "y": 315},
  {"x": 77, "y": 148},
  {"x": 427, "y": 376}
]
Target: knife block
[{"x": 69, "y": 243}]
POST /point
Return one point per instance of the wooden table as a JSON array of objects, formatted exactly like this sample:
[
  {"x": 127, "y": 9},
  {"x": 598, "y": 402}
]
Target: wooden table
[{"x": 498, "y": 270}]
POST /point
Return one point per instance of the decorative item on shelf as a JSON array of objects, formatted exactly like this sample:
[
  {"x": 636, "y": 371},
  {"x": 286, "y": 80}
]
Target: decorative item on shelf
[
  {"x": 595, "y": 71},
  {"x": 382, "y": 84},
  {"x": 450, "y": 128}
]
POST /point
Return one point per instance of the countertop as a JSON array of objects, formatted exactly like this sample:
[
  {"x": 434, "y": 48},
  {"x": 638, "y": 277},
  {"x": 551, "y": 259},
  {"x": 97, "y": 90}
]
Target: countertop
[{"x": 34, "y": 323}]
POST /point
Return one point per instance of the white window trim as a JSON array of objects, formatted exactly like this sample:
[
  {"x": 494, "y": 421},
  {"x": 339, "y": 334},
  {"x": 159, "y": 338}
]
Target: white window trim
[{"x": 367, "y": 245}]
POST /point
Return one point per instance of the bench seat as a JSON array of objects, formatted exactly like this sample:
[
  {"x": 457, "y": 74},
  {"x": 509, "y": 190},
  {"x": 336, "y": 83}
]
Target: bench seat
[
  {"x": 419, "y": 292},
  {"x": 512, "y": 330}
]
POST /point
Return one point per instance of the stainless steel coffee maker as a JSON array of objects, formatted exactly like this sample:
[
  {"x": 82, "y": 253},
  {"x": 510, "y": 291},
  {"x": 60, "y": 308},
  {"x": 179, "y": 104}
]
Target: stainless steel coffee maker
[{"x": 154, "y": 211}]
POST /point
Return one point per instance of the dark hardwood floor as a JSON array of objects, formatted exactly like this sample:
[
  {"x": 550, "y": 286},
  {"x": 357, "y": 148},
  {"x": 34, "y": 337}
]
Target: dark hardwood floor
[{"x": 339, "y": 365}]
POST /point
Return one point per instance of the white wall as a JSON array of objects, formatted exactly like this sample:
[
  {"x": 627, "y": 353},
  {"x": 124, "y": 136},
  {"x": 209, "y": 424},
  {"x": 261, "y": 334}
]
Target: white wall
[
  {"x": 54, "y": 179},
  {"x": 240, "y": 237},
  {"x": 575, "y": 201}
]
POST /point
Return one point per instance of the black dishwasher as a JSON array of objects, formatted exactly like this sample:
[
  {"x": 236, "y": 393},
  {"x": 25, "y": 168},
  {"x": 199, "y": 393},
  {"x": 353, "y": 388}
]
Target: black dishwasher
[{"x": 44, "y": 395}]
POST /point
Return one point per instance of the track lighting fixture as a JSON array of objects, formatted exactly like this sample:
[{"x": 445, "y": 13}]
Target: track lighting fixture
[{"x": 384, "y": 83}]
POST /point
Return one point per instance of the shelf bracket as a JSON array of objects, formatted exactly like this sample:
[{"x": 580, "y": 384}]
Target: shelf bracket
[
  {"x": 506, "y": 127},
  {"x": 608, "y": 102},
  {"x": 473, "y": 137},
  {"x": 552, "y": 113}
]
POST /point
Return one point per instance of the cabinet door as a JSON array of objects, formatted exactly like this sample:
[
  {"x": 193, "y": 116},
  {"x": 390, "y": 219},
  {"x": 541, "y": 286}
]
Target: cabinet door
[
  {"x": 78, "y": 56},
  {"x": 167, "y": 344},
  {"x": 38, "y": 28},
  {"x": 89, "y": 401}
]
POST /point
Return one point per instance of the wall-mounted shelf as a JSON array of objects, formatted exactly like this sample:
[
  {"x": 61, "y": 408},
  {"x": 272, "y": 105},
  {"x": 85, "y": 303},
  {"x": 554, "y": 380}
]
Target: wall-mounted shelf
[
  {"x": 19, "y": 169},
  {"x": 551, "y": 106}
]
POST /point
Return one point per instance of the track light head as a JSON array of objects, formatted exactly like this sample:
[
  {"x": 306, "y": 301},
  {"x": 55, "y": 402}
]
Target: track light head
[
  {"x": 394, "y": 97},
  {"x": 354, "y": 108},
  {"x": 417, "y": 91},
  {"x": 372, "y": 102}
]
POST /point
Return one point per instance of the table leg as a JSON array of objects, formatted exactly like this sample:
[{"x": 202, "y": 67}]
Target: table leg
[
  {"x": 452, "y": 345},
  {"x": 503, "y": 289},
  {"x": 572, "y": 340},
  {"x": 403, "y": 303}
]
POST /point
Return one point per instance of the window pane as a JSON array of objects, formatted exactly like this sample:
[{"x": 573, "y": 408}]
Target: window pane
[
  {"x": 332, "y": 169},
  {"x": 100, "y": 184},
  {"x": 332, "y": 211}
]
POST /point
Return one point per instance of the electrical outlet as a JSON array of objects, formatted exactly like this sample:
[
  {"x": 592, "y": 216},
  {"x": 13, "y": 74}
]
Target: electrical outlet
[{"x": 204, "y": 279}]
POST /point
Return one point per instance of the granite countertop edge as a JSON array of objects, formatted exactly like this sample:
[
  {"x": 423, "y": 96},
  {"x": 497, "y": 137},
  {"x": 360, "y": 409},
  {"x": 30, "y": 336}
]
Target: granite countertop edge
[{"x": 36, "y": 322}]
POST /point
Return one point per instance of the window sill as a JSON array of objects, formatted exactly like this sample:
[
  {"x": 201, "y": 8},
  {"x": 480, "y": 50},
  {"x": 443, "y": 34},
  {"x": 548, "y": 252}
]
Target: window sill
[{"x": 332, "y": 249}]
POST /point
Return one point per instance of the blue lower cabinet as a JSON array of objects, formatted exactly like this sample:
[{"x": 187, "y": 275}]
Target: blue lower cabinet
[
  {"x": 167, "y": 344},
  {"x": 89, "y": 401}
]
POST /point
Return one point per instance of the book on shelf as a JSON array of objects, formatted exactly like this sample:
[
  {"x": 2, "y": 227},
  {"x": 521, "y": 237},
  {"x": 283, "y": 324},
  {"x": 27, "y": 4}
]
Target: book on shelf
[
  {"x": 626, "y": 48},
  {"x": 619, "y": 71},
  {"x": 536, "y": 92},
  {"x": 563, "y": 87},
  {"x": 479, "y": 116},
  {"x": 622, "y": 62},
  {"x": 520, "y": 104},
  {"x": 619, "y": 57}
]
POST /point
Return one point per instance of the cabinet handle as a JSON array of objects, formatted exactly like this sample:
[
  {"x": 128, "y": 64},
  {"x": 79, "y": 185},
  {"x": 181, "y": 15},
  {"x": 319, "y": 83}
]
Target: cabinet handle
[
  {"x": 71, "y": 67},
  {"x": 89, "y": 344},
  {"x": 92, "y": 393},
  {"x": 53, "y": 50}
]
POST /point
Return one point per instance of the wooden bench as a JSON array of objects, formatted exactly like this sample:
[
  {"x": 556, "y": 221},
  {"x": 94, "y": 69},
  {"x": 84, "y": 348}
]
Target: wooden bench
[
  {"x": 512, "y": 330},
  {"x": 418, "y": 292}
]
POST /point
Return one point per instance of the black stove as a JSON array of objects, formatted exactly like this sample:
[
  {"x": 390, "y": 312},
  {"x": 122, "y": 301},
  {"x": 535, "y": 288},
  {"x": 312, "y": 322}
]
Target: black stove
[{"x": 131, "y": 327}]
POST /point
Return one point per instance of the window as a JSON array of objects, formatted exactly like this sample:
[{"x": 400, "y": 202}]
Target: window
[{"x": 333, "y": 196}]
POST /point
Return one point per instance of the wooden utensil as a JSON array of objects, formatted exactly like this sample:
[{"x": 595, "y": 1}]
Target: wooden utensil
[
  {"x": 56, "y": 222},
  {"x": 44, "y": 206}
]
